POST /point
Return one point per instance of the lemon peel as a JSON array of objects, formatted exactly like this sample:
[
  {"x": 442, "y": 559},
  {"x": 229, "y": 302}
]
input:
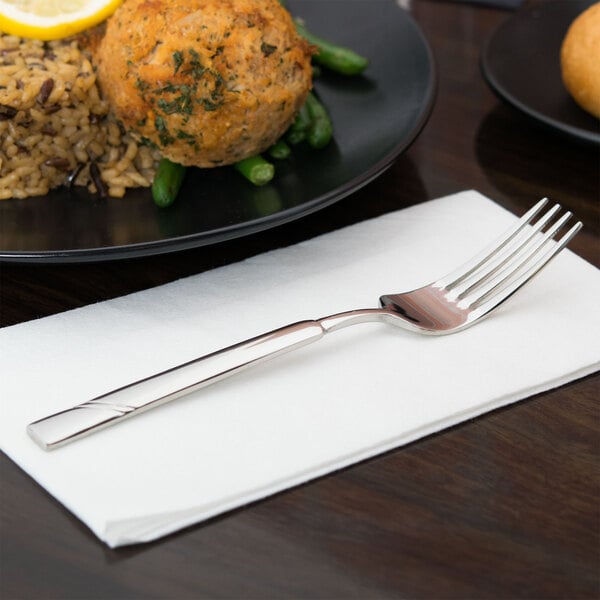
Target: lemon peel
[{"x": 52, "y": 19}]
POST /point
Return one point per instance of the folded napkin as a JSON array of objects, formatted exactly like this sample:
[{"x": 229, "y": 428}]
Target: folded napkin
[{"x": 356, "y": 393}]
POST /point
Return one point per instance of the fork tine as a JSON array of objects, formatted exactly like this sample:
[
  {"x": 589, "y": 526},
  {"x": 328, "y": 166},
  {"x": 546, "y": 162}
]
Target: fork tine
[
  {"x": 494, "y": 296},
  {"x": 464, "y": 271},
  {"x": 515, "y": 252},
  {"x": 486, "y": 290}
]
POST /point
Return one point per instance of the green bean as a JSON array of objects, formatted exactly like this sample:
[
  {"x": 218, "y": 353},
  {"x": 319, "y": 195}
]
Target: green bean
[
  {"x": 295, "y": 137},
  {"x": 321, "y": 129},
  {"x": 337, "y": 58},
  {"x": 279, "y": 150},
  {"x": 299, "y": 128},
  {"x": 256, "y": 169},
  {"x": 167, "y": 182}
]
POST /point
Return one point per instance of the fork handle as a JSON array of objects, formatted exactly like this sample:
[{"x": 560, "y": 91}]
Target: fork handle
[{"x": 108, "y": 409}]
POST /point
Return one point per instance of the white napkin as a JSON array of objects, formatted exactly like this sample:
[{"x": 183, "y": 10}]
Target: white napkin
[{"x": 356, "y": 393}]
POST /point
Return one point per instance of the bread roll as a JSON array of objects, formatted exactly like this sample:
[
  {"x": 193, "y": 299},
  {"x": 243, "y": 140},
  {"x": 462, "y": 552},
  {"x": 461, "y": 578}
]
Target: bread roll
[{"x": 580, "y": 60}]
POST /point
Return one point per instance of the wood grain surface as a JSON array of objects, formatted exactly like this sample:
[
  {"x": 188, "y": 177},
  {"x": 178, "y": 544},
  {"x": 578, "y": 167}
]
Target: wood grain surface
[{"x": 504, "y": 506}]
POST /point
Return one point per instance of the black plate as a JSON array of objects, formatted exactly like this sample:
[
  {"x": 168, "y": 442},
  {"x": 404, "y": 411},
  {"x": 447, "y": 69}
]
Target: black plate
[
  {"x": 521, "y": 63},
  {"x": 376, "y": 117}
]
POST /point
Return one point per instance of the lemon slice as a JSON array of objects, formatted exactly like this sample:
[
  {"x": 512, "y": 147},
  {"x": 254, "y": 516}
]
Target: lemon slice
[{"x": 52, "y": 19}]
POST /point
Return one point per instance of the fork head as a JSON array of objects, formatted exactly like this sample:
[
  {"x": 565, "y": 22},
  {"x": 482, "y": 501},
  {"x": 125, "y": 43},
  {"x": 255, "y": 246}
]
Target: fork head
[{"x": 471, "y": 292}]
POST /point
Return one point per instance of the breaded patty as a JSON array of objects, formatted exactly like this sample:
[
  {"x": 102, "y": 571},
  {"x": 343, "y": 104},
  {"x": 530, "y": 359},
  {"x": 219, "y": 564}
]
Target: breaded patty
[{"x": 208, "y": 82}]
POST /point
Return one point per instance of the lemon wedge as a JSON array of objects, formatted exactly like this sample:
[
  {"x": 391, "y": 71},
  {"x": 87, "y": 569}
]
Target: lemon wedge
[{"x": 52, "y": 19}]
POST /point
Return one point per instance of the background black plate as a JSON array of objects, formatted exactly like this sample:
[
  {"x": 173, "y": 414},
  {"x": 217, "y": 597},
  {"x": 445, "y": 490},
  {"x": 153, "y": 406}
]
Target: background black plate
[
  {"x": 521, "y": 63},
  {"x": 375, "y": 116}
]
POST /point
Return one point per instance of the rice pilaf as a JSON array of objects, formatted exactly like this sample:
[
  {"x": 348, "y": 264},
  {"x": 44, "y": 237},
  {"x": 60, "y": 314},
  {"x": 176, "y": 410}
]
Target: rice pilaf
[{"x": 55, "y": 128}]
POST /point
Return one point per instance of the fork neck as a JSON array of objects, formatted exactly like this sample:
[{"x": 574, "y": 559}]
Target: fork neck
[{"x": 354, "y": 317}]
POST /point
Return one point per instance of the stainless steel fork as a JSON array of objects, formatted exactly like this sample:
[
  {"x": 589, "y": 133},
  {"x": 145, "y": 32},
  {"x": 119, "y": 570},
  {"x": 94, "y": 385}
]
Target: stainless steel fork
[{"x": 450, "y": 304}]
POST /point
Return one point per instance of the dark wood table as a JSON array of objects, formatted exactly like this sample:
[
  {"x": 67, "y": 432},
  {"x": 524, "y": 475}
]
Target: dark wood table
[{"x": 504, "y": 506}]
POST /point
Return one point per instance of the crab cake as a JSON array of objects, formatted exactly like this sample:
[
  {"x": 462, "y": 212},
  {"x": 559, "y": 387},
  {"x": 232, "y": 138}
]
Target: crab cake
[{"x": 208, "y": 82}]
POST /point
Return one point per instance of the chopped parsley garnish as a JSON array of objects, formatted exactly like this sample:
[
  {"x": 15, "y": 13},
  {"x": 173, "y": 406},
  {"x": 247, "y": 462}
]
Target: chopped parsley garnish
[
  {"x": 203, "y": 87},
  {"x": 148, "y": 142},
  {"x": 182, "y": 135},
  {"x": 141, "y": 85},
  {"x": 181, "y": 104},
  {"x": 196, "y": 70},
  {"x": 177, "y": 60},
  {"x": 208, "y": 104},
  {"x": 267, "y": 49},
  {"x": 163, "y": 133},
  {"x": 189, "y": 139}
]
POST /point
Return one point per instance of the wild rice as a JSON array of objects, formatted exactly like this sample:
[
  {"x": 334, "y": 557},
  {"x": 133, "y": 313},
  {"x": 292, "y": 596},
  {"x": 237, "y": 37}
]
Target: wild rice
[{"x": 54, "y": 123}]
